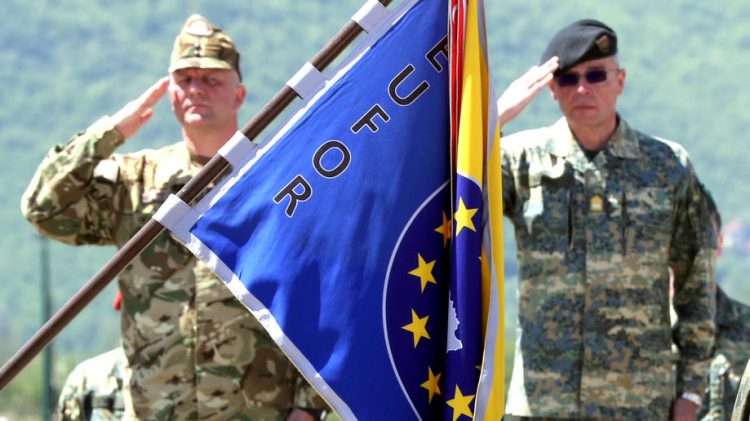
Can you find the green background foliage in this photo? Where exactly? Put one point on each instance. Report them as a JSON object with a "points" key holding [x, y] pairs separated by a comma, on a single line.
{"points": [[64, 64]]}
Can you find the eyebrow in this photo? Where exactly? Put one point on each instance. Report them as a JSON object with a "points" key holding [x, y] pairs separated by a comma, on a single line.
{"points": [[586, 69], [204, 72]]}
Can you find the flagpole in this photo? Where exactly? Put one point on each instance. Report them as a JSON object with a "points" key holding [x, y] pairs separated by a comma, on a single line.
{"points": [[48, 400], [152, 228]]}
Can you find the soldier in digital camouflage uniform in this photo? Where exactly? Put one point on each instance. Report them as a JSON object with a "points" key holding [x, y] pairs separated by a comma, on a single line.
{"points": [[601, 212], [93, 390], [194, 351]]}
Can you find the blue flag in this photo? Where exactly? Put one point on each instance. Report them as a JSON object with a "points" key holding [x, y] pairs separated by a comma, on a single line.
{"points": [[336, 231]]}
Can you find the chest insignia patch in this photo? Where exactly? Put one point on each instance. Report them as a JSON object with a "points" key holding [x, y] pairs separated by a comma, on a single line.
{"points": [[596, 204]]}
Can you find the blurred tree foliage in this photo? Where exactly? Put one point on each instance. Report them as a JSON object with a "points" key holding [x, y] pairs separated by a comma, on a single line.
{"points": [[67, 63]]}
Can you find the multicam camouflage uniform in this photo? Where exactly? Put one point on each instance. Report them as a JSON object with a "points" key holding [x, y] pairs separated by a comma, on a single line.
{"points": [[741, 411], [93, 390], [732, 352], [194, 350], [595, 239]]}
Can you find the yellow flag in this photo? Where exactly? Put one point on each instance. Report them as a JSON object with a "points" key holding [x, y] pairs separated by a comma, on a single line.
{"points": [[478, 159]]}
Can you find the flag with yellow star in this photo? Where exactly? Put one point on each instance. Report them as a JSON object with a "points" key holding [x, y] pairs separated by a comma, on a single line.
{"points": [[338, 231], [474, 370]]}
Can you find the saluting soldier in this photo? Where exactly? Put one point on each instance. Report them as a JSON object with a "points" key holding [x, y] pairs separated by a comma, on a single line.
{"points": [[732, 343], [193, 350], [601, 213]]}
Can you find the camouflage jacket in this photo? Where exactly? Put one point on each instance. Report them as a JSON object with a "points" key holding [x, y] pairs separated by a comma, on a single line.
{"points": [[595, 240], [732, 352], [93, 390], [741, 410], [194, 350]]}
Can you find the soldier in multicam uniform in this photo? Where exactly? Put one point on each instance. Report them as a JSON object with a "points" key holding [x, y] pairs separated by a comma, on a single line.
{"points": [[193, 350], [601, 212], [732, 351], [732, 345], [741, 411]]}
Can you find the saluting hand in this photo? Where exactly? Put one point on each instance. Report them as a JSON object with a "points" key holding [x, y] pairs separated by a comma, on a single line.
{"points": [[137, 112], [518, 95]]}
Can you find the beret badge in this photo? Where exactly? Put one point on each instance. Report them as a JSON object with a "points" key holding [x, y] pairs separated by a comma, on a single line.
{"points": [[603, 44]]}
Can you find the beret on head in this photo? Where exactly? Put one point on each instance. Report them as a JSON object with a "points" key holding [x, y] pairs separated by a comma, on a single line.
{"points": [[201, 44], [581, 41]]}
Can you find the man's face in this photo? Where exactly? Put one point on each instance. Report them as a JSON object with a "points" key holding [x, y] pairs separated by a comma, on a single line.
{"points": [[587, 103], [205, 97]]}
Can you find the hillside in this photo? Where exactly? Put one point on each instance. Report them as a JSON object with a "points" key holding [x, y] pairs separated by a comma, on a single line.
{"points": [[67, 63]]}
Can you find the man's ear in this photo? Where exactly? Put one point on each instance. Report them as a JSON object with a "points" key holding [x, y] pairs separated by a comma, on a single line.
{"points": [[621, 81], [170, 93], [239, 95], [552, 91]]}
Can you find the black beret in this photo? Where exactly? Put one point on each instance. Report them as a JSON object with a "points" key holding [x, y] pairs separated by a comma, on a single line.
{"points": [[581, 41]]}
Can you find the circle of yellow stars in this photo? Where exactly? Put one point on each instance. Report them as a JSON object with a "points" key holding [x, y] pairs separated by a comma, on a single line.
{"points": [[460, 403]]}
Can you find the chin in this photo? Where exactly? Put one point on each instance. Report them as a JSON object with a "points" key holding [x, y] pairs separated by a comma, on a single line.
{"points": [[197, 120], [583, 116]]}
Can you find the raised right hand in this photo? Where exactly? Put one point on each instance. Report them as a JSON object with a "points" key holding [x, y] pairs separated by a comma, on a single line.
{"points": [[137, 112], [518, 95]]}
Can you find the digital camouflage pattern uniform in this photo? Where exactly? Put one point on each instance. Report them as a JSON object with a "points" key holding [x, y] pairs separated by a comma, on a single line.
{"points": [[195, 352], [93, 390], [732, 352], [595, 240]]}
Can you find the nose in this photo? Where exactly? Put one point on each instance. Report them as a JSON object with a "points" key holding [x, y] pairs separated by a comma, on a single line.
{"points": [[195, 87], [583, 87]]}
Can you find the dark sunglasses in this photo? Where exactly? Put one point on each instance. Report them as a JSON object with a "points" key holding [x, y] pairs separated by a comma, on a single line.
{"points": [[592, 76]]}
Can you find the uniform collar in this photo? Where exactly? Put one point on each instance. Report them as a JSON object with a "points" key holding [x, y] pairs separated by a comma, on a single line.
{"points": [[194, 160], [199, 161], [623, 143]]}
